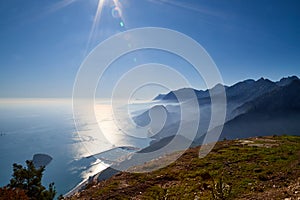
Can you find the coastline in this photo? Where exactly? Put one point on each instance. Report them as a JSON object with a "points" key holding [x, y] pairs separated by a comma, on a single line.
{"points": [[132, 161], [99, 176], [237, 173], [77, 188]]}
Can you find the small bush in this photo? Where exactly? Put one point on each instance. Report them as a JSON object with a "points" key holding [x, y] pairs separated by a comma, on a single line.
{"points": [[28, 180]]}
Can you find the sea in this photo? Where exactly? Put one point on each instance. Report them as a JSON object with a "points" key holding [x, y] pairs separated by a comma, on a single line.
{"points": [[47, 126]]}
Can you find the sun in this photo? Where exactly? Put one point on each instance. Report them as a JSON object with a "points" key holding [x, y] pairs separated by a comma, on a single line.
{"points": [[116, 12]]}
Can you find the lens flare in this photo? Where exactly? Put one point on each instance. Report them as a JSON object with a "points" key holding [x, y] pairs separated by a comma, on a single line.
{"points": [[116, 12], [95, 23]]}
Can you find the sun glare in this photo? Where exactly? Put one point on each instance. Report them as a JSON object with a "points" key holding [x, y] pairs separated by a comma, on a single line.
{"points": [[116, 13], [95, 22]]}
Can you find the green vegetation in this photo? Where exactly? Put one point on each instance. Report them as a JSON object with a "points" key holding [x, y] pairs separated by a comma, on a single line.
{"points": [[27, 184], [257, 168]]}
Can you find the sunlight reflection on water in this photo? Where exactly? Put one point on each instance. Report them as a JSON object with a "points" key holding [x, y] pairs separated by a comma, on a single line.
{"points": [[33, 126]]}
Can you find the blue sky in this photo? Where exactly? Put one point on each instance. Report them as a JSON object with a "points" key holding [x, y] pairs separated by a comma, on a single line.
{"points": [[43, 43]]}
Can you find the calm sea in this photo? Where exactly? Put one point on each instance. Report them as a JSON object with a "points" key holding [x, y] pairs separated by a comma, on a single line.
{"points": [[31, 126]]}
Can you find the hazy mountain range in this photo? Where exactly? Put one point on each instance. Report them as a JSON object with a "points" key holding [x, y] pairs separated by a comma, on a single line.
{"points": [[254, 108]]}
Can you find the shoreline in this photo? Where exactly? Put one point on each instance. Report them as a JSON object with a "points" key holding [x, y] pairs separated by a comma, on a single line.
{"points": [[99, 176], [125, 164], [77, 188], [103, 174]]}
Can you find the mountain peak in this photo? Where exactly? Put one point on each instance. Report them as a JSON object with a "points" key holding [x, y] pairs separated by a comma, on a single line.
{"points": [[262, 79], [287, 80], [247, 89]]}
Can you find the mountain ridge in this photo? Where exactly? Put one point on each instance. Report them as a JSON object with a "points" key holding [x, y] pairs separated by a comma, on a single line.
{"points": [[263, 98], [205, 93]]}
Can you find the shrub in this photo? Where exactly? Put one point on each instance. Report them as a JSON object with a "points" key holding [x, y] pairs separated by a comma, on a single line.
{"points": [[29, 180]]}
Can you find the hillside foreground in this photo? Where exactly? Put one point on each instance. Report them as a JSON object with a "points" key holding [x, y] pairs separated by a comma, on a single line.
{"points": [[254, 168]]}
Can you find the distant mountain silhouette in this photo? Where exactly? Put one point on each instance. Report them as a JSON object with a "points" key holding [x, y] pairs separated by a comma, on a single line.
{"points": [[241, 91], [283, 98], [287, 80], [171, 125], [171, 96], [275, 112], [253, 108]]}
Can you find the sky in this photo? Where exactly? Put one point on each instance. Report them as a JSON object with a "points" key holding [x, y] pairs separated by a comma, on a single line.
{"points": [[43, 43]]}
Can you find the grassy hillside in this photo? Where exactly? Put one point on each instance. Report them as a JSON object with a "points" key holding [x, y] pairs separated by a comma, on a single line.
{"points": [[255, 168]]}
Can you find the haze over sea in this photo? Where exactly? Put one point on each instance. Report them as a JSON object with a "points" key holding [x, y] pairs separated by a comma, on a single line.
{"points": [[31, 126]]}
